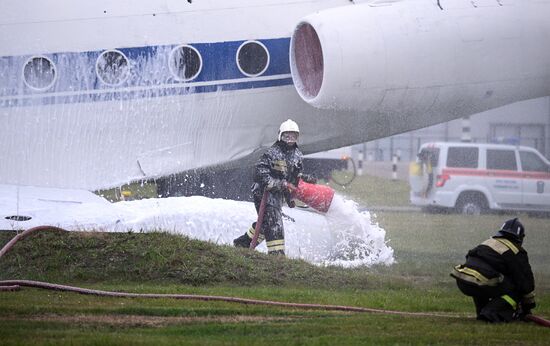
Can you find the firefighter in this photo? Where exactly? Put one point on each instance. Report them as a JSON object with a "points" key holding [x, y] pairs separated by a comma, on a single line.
{"points": [[427, 159], [280, 165], [498, 277]]}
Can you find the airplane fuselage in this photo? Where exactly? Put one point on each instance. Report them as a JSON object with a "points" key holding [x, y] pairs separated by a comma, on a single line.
{"points": [[97, 94]]}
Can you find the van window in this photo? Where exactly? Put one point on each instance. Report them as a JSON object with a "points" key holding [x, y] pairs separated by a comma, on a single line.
{"points": [[462, 157], [531, 162], [501, 159]]}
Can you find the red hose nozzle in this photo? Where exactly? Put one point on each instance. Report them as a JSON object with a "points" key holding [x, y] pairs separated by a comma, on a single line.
{"points": [[319, 197]]}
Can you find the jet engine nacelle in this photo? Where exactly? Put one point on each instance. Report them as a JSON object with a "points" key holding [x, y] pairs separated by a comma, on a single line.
{"points": [[412, 57]]}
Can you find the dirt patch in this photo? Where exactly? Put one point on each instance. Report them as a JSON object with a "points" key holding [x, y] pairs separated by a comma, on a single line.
{"points": [[143, 320]]}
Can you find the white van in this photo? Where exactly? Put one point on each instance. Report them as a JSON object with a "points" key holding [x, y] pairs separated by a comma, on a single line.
{"points": [[473, 178]]}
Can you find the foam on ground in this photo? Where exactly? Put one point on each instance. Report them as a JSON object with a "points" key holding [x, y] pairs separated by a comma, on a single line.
{"points": [[343, 236]]}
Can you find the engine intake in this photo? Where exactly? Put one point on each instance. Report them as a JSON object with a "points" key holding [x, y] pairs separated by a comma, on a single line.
{"points": [[411, 57], [307, 55]]}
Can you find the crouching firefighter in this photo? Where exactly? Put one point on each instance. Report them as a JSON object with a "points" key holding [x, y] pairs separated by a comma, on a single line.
{"points": [[498, 277], [280, 165]]}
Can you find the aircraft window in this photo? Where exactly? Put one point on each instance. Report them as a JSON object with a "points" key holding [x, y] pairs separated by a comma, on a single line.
{"points": [[252, 58], [39, 73], [112, 67], [185, 63], [18, 217]]}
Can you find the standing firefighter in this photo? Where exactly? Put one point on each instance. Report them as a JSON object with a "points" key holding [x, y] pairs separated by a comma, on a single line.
{"points": [[281, 164], [497, 275]]}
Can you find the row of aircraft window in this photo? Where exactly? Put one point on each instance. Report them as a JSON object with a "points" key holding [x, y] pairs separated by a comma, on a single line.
{"points": [[113, 67]]}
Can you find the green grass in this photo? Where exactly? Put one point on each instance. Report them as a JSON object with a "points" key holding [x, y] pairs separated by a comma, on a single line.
{"points": [[323, 330], [418, 282], [41, 317], [122, 257], [426, 247], [369, 190]]}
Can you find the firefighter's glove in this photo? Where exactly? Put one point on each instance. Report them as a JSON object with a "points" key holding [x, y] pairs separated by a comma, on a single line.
{"points": [[291, 203], [276, 185], [308, 178]]}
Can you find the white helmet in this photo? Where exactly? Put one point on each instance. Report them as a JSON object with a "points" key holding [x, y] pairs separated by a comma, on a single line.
{"points": [[288, 126]]}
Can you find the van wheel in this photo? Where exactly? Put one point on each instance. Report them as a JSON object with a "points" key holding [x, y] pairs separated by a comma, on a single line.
{"points": [[473, 203]]}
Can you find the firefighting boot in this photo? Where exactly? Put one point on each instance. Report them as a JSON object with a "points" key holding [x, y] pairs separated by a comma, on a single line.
{"points": [[242, 241], [499, 310], [245, 239]]}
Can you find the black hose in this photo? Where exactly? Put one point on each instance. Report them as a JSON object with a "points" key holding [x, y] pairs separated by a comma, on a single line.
{"points": [[353, 170]]}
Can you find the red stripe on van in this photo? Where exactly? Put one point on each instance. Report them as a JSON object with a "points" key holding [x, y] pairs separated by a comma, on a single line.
{"points": [[496, 173]]}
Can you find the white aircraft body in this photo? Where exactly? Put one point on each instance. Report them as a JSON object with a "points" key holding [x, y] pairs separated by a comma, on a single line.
{"points": [[95, 94]]}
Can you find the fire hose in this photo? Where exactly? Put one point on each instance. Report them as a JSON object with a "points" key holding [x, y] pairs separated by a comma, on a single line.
{"points": [[345, 181], [13, 285], [319, 197], [261, 213]]}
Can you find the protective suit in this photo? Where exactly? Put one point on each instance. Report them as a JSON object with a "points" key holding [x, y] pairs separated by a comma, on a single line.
{"points": [[498, 276], [279, 165]]}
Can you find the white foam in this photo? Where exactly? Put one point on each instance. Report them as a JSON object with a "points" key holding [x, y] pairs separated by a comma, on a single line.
{"points": [[344, 236], [357, 238]]}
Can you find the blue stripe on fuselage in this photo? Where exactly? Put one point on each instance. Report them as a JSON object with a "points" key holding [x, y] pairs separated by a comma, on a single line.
{"points": [[150, 76]]}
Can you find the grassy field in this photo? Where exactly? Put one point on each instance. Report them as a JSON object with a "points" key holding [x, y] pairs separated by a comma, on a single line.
{"points": [[375, 191], [426, 247]]}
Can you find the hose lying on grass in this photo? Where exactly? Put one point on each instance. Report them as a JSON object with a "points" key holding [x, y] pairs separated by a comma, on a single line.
{"points": [[13, 285]]}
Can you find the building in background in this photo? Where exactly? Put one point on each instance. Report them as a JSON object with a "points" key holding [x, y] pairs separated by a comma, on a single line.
{"points": [[523, 123]]}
